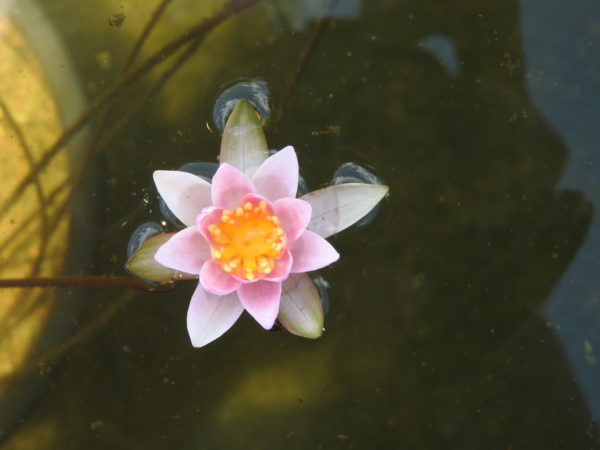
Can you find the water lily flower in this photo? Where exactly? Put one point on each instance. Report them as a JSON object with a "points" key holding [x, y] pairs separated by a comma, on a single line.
{"points": [[243, 238], [248, 239]]}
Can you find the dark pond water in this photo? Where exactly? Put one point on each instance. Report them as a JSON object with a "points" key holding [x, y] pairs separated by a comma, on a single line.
{"points": [[466, 315]]}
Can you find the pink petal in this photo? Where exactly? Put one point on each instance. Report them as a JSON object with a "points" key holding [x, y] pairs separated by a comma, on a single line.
{"points": [[229, 185], [215, 280], [142, 263], [277, 177], [282, 268], [294, 215], [210, 315], [185, 194], [207, 217], [255, 199], [186, 251], [311, 252], [261, 300]]}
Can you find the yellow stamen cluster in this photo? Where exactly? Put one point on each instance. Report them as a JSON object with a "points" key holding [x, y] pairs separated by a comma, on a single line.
{"points": [[247, 240]]}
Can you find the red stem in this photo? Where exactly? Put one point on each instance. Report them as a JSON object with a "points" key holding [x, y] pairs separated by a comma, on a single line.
{"points": [[91, 280]]}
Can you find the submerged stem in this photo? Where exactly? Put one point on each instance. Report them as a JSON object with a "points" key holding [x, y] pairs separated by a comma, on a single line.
{"points": [[133, 54], [75, 177], [45, 230], [305, 56], [144, 36], [90, 280], [129, 78], [45, 363]]}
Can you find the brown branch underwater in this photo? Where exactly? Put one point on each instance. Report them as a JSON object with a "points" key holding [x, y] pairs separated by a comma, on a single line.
{"points": [[79, 281], [305, 56], [113, 92]]}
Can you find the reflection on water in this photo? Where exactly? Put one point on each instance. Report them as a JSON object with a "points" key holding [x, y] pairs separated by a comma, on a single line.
{"points": [[443, 49], [560, 81], [141, 234], [436, 335], [35, 227], [255, 91]]}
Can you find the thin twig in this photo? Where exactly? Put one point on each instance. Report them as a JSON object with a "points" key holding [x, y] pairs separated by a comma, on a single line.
{"points": [[145, 33], [73, 180], [76, 175], [45, 231], [117, 88], [305, 55], [133, 54], [44, 363], [90, 280]]}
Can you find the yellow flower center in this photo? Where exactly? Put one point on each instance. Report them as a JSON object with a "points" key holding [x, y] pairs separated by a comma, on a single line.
{"points": [[247, 240]]}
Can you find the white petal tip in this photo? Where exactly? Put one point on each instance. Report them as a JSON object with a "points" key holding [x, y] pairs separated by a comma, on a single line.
{"points": [[210, 316], [162, 175]]}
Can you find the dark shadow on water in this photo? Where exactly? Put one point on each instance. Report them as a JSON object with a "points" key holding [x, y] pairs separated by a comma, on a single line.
{"points": [[476, 233]]}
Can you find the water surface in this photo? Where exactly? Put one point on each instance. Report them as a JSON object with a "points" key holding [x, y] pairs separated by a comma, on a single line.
{"points": [[465, 315]]}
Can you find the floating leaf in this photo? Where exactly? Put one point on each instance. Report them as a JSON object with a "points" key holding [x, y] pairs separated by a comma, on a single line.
{"points": [[300, 310], [142, 263], [335, 208]]}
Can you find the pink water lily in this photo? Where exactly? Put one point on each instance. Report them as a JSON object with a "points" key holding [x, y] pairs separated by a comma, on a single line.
{"points": [[249, 240], [244, 237]]}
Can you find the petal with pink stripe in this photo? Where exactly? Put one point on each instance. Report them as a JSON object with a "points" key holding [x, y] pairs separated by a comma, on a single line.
{"points": [[277, 177], [215, 280], [311, 252], [261, 300], [229, 185], [185, 251]]}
